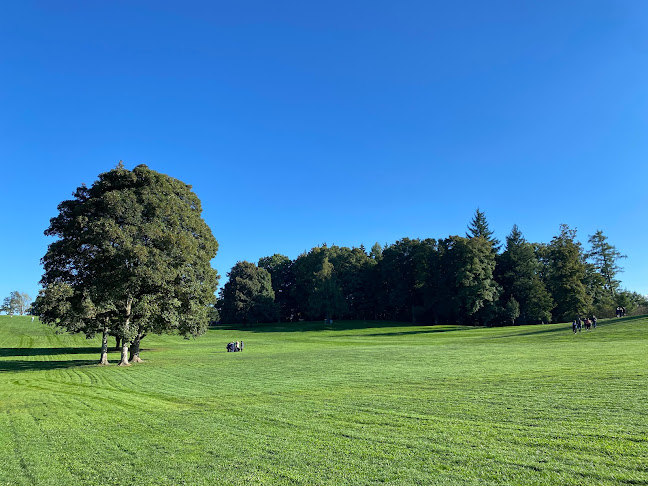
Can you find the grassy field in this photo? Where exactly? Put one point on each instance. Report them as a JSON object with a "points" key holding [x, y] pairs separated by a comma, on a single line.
{"points": [[351, 405]]}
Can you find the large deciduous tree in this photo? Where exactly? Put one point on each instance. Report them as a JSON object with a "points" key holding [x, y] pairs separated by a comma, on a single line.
{"points": [[132, 257]]}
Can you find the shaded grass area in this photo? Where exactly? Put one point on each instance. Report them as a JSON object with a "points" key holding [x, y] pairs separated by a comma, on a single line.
{"points": [[348, 405]]}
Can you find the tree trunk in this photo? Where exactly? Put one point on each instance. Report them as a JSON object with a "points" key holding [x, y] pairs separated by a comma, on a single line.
{"points": [[117, 343], [104, 347], [124, 355], [135, 349], [124, 349]]}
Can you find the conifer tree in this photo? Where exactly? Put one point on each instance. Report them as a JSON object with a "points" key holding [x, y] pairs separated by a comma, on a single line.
{"points": [[248, 297], [326, 299], [566, 273], [282, 274], [478, 227], [605, 257], [518, 272], [466, 284]]}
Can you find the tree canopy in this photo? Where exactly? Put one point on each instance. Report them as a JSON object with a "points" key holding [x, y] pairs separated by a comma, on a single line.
{"points": [[16, 303], [466, 280], [248, 296], [132, 257]]}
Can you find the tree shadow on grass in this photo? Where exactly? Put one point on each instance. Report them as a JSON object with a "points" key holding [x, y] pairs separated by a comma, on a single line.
{"points": [[625, 319], [407, 333], [7, 352], [308, 326], [24, 365], [541, 330], [567, 328]]}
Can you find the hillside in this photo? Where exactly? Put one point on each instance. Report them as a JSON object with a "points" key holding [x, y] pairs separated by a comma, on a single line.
{"points": [[351, 405]]}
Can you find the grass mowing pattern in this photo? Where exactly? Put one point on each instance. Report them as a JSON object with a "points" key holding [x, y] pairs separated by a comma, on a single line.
{"points": [[353, 405]]}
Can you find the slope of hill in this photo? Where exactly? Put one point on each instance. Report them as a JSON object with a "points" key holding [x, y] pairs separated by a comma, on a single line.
{"points": [[351, 405]]}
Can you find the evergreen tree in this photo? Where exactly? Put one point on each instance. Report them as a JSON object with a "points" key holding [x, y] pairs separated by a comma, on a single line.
{"points": [[403, 283], [282, 275], [566, 273], [376, 252], [351, 266], [426, 268], [478, 227], [604, 257], [248, 297], [326, 300], [512, 310], [466, 283], [518, 271]]}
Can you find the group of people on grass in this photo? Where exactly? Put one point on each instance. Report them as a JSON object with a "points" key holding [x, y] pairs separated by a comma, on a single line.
{"points": [[620, 311], [235, 346], [586, 323]]}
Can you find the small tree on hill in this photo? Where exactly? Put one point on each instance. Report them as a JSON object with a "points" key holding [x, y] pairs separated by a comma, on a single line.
{"points": [[16, 303]]}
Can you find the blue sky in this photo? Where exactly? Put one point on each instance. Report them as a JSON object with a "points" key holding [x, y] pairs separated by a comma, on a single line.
{"points": [[299, 123]]}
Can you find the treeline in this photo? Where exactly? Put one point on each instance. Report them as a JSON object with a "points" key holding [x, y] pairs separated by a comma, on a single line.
{"points": [[469, 280]]}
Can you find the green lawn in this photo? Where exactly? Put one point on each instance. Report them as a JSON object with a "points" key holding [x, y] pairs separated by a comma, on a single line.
{"points": [[354, 405]]}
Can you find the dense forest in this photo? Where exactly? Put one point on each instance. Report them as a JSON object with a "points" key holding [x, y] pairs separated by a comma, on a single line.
{"points": [[472, 279]]}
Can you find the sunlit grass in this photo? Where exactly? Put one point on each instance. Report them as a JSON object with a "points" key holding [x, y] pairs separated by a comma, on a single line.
{"points": [[350, 405]]}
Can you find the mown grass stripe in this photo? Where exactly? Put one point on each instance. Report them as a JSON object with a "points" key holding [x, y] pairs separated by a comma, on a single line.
{"points": [[354, 405]]}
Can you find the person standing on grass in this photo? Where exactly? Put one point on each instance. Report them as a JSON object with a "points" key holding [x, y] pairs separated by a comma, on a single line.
{"points": [[241, 345], [574, 326], [594, 321]]}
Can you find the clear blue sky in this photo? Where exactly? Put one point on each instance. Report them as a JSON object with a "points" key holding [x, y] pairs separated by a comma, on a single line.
{"points": [[299, 123]]}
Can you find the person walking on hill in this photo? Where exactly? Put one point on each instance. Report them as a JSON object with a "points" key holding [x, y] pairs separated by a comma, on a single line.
{"points": [[594, 322]]}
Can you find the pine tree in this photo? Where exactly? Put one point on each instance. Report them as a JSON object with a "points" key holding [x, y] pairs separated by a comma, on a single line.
{"points": [[566, 274], [518, 271], [604, 257], [478, 227]]}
